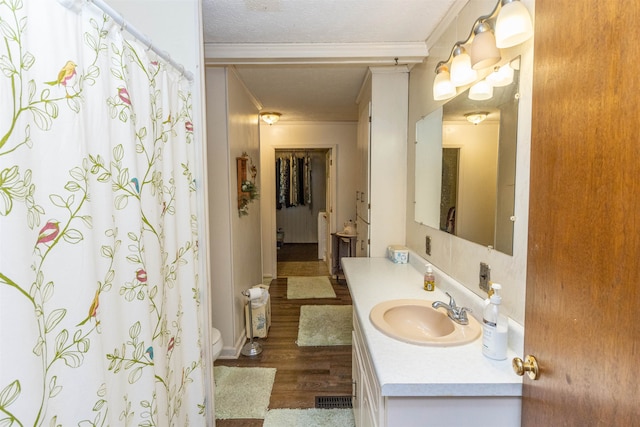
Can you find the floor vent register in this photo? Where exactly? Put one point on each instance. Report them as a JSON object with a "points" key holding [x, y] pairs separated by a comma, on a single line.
{"points": [[331, 402]]}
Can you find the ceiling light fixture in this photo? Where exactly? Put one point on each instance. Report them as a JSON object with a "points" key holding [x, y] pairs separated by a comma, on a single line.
{"points": [[476, 117], [270, 118]]}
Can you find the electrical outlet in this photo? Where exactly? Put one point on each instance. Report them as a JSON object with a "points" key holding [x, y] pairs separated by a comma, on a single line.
{"points": [[485, 276], [427, 245]]}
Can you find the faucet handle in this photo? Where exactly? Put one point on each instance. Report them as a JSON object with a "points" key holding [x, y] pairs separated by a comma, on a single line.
{"points": [[452, 302], [461, 315]]}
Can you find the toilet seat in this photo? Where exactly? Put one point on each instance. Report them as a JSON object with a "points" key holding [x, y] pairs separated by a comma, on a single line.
{"points": [[216, 343]]}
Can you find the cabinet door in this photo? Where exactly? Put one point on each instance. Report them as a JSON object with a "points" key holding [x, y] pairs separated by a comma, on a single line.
{"points": [[356, 385], [362, 239], [363, 150], [362, 398]]}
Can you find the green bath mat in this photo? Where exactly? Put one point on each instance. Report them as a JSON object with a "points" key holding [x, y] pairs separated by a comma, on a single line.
{"points": [[242, 392], [309, 418], [301, 287], [322, 325]]}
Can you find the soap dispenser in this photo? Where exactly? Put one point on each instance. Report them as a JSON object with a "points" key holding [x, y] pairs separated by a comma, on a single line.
{"points": [[495, 327], [429, 280]]}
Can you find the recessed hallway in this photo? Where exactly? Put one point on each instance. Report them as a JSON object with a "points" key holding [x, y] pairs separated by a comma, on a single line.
{"points": [[302, 372]]}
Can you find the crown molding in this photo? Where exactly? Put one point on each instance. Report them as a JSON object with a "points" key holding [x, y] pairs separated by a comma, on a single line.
{"points": [[315, 53]]}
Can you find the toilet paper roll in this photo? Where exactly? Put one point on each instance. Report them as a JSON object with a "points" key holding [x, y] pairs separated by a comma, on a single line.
{"points": [[254, 293]]}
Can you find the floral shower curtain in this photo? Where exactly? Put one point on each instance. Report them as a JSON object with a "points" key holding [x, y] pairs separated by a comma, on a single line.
{"points": [[99, 288]]}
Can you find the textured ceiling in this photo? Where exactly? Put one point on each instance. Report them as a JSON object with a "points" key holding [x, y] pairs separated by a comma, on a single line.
{"points": [[321, 21], [306, 92], [302, 57]]}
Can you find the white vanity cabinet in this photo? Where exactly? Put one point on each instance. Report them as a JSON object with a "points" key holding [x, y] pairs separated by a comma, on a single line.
{"points": [[367, 397], [372, 409], [396, 384]]}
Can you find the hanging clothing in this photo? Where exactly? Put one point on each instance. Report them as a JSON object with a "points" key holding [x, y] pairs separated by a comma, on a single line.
{"points": [[301, 174], [307, 180], [278, 184], [293, 180], [286, 185]]}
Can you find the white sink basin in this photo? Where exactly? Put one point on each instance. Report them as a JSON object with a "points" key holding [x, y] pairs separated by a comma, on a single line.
{"points": [[415, 321]]}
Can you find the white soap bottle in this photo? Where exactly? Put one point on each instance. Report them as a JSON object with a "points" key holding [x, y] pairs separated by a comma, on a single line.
{"points": [[495, 327]]}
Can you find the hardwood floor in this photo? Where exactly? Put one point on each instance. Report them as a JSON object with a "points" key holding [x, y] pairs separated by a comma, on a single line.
{"points": [[302, 372]]}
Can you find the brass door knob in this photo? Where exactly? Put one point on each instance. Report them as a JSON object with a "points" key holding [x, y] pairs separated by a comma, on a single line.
{"points": [[529, 365]]}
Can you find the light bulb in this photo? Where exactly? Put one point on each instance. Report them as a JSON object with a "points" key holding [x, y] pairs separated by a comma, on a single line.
{"points": [[483, 51], [481, 91], [442, 86], [461, 72], [513, 25], [501, 76]]}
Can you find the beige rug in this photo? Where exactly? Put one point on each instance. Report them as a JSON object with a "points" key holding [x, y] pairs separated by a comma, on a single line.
{"points": [[302, 268], [309, 418], [322, 325], [242, 392], [300, 287]]}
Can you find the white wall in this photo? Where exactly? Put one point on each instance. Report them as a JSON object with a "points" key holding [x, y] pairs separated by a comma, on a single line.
{"points": [[220, 211], [174, 26], [459, 258], [247, 254], [387, 155], [338, 136], [236, 259]]}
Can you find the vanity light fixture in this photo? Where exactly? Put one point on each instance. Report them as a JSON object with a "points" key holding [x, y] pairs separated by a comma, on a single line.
{"points": [[442, 86], [481, 91], [461, 72], [501, 76], [483, 52], [270, 118], [508, 25], [513, 25], [476, 117]]}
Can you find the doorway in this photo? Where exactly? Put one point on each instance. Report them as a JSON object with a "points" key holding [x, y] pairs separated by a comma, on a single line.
{"points": [[301, 193], [302, 188]]}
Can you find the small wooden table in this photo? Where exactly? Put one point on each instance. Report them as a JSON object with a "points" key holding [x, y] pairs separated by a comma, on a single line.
{"points": [[342, 245]]}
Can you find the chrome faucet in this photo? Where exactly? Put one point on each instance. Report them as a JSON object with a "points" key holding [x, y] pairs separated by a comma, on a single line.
{"points": [[455, 313]]}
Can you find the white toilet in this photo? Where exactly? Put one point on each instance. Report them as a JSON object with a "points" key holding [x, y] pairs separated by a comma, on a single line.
{"points": [[216, 343]]}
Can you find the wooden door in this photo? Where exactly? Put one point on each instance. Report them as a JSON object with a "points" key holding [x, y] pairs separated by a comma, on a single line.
{"points": [[583, 274]]}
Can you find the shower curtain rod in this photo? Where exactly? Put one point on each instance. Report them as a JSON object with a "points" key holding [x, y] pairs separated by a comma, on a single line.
{"points": [[119, 19]]}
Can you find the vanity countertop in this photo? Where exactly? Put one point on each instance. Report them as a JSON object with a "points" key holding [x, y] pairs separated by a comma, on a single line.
{"points": [[404, 369]]}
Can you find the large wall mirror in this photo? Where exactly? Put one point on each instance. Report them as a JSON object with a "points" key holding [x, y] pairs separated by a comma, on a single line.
{"points": [[466, 167]]}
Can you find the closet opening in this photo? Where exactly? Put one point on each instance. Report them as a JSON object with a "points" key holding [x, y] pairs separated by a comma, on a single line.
{"points": [[302, 189]]}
